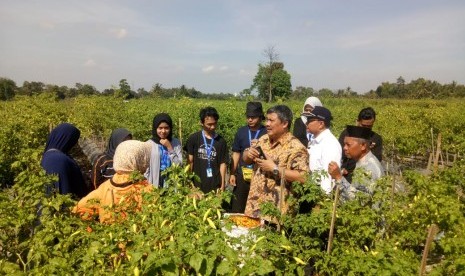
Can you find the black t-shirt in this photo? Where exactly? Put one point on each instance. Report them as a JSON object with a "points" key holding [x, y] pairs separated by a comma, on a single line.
{"points": [[349, 164], [241, 141], [219, 154]]}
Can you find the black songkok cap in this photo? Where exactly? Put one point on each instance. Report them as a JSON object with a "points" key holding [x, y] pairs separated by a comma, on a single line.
{"points": [[359, 132]]}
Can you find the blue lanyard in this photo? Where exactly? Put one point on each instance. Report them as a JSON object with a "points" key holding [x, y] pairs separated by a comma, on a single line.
{"points": [[250, 136], [208, 148]]}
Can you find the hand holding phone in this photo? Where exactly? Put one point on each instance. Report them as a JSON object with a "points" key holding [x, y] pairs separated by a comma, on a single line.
{"points": [[261, 155]]}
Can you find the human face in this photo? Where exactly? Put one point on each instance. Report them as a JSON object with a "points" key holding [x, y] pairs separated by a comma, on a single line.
{"points": [[274, 126], [163, 130], [308, 108], [315, 126], [366, 123], [353, 148], [209, 125], [253, 122]]}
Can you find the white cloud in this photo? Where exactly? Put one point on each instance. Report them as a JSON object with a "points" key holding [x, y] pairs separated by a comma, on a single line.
{"points": [[245, 72], [119, 33], [208, 69], [47, 25], [90, 63], [224, 68]]}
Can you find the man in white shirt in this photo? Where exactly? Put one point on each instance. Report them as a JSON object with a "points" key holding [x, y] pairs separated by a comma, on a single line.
{"points": [[324, 147]]}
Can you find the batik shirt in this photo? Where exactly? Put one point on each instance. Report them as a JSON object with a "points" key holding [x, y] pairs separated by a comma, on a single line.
{"points": [[289, 153]]}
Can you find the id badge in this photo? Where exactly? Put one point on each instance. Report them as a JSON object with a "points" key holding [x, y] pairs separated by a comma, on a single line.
{"points": [[209, 172]]}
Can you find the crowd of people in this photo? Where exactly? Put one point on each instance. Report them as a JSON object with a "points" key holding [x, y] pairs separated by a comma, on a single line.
{"points": [[266, 158]]}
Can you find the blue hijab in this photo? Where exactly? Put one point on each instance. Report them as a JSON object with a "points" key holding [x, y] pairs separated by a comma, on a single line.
{"points": [[56, 160]]}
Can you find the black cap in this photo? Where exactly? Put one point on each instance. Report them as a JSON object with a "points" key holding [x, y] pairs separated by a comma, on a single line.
{"points": [[359, 132], [319, 112], [254, 109]]}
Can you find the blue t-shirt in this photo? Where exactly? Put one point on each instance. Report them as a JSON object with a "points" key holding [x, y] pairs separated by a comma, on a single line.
{"points": [[241, 141]]}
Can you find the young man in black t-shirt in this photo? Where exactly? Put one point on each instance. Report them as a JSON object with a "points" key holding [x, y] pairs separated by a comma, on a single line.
{"points": [[246, 137], [208, 153]]}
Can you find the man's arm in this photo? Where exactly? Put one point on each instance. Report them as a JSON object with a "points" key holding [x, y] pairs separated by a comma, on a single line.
{"points": [[289, 175], [234, 166], [223, 174], [190, 161]]}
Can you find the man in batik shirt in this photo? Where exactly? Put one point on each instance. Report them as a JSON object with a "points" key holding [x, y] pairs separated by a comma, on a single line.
{"points": [[283, 156]]}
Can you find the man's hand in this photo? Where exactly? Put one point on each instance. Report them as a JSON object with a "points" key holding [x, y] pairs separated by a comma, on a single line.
{"points": [[232, 180], [252, 154], [334, 171], [265, 165]]}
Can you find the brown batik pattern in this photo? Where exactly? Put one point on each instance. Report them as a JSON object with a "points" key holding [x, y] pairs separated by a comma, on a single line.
{"points": [[289, 153]]}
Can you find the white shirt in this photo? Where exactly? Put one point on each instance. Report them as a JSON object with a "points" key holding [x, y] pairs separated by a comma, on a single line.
{"points": [[322, 150]]}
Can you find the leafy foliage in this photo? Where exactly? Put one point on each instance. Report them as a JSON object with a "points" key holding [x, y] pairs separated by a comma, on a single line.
{"points": [[178, 232]]}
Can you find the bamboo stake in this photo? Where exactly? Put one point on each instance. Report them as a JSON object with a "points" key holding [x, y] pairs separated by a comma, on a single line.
{"points": [[180, 131], [433, 230], [281, 195], [432, 141], [333, 221], [393, 188], [438, 152], [430, 160]]}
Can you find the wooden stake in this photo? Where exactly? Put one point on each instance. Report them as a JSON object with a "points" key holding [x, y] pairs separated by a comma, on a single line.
{"points": [[432, 141], [433, 230], [333, 221], [180, 131], [281, 195], [430, 160], [393, 189], [438, 153]]}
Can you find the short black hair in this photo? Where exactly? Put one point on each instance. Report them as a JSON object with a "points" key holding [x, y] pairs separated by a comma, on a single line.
{"points": [[284, 114], [208, 112], [367, 113]]}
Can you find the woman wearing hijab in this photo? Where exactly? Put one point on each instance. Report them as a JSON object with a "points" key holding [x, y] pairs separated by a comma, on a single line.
{"points": [[300, 127], [56, 160], [122, 193], [103, 167], [166, 150]]}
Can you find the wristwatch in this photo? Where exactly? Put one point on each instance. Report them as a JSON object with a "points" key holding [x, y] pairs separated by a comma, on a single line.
{"points": [[276, 170]]}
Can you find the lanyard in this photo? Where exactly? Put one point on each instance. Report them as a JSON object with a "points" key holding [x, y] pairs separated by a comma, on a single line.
{"points": [[208, 148], [250, 135]]}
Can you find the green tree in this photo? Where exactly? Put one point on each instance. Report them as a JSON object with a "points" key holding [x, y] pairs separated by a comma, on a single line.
{"points": [[272, 80], [86, 89], [8, 89], [302, 92], [325, 92], [57, 91], [124, 90], [280, 82], [32, 88]]}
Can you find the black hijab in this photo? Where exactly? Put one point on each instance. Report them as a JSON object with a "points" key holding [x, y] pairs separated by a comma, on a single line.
{"points": [[157, 120], [63, 138], [117, 136]]}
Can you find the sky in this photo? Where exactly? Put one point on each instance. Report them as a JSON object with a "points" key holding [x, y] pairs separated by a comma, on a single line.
{"points": [[215, 46]]}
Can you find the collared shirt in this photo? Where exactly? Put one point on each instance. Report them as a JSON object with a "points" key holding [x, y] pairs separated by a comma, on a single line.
{"points": [[367, 170], [322, 150], [289, 153]]}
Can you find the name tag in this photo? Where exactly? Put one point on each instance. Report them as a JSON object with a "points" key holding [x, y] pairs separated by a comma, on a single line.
{"points": [[209, 172]]}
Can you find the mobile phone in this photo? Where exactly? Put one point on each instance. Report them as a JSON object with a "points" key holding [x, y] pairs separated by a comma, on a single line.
{"points": [[261, 155]]}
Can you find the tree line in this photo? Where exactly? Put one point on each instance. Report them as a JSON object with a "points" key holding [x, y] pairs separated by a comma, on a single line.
{"points": [[268, 87]]}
